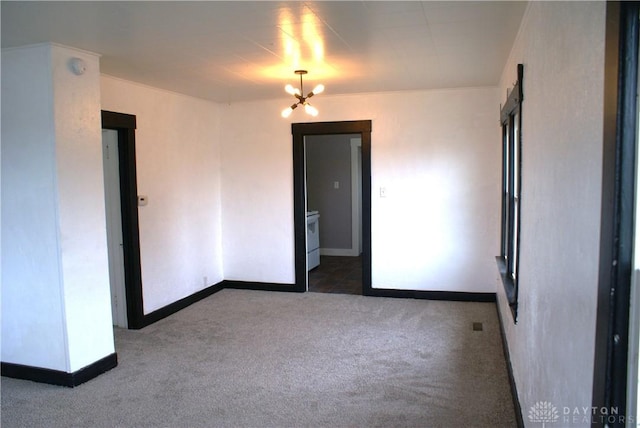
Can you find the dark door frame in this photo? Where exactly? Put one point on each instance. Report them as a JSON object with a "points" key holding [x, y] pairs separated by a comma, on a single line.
{"points": [[299, 131], [125, 124], [618, 195]]}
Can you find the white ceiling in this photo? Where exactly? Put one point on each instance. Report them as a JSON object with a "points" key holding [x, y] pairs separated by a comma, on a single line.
{"points": [[239, 50]]}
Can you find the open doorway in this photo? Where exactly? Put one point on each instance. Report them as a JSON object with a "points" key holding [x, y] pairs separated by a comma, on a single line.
{"points": [[356, 130], [334, 203], [119, 131]]}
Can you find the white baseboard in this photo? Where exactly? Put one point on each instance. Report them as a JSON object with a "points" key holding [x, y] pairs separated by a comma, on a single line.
{"points": [[344, 252]]}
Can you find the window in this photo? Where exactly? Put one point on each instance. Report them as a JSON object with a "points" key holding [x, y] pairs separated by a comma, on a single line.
{"points": [[511, 120]]}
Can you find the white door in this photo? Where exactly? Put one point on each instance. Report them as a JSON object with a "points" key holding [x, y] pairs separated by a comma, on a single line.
{"points": [[111, 167]]}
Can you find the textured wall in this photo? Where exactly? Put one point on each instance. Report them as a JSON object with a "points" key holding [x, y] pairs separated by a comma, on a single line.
{"points": [[81, 209], [55, 280], [177, 155], [32, 328], [437, 154], [552, 346]]}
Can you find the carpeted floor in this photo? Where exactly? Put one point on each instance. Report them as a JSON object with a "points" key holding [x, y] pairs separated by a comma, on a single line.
{"points": [[244, 358]]}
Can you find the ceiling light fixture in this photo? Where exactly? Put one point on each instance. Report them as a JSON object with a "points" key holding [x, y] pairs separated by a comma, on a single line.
{"points": [[302, 100]]}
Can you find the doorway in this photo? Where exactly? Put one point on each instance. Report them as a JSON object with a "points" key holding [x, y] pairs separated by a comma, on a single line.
{"points": [[334, 203], [300, 131], [120, 128]]}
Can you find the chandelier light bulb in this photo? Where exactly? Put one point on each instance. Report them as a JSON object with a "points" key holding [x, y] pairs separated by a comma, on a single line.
{"points": [[309, 109], [318, 89], [291, 90], [287, 112]]}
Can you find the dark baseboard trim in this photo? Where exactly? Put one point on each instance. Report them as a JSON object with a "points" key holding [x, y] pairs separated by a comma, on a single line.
{"points": [[56, 377], [456, 296], [292, 288], [512, 380], [260, 286], [176, 306]]}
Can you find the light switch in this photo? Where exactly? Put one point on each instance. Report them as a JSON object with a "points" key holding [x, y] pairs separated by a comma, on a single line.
{"points": [[336, 184], [142, 200], [383, 192]]}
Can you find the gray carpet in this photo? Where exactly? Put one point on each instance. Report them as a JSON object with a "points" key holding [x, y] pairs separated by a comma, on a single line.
{"points": [[266, 359]]}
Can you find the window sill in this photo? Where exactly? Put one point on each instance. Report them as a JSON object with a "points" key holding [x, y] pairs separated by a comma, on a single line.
{"points": [[509, 288]]}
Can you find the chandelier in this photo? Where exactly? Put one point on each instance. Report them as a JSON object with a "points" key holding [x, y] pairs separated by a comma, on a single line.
{"points": [[302, 100]]}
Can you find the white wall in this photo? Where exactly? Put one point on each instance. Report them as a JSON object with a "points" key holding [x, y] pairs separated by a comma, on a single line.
{"points": [[30, 270], [81, 210], [437, 153], [257, 193], [55, 281], [178, 167], [552, 346]]}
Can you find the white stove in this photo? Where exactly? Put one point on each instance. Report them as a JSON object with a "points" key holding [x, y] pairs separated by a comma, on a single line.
{"points": [[313, 239]]}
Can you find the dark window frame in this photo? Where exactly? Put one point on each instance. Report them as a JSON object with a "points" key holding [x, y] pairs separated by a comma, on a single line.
{"points": [[509, 258]]}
